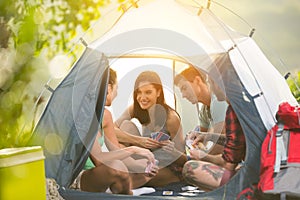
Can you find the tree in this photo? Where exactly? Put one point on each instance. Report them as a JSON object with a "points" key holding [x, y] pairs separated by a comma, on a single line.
{"points": [[31, 33], [294, 84]]}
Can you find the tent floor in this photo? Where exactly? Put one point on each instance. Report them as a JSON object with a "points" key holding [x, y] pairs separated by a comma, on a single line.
{"points": [[171, 191]]}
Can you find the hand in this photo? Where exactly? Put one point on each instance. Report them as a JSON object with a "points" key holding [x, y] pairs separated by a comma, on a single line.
{"points": [[194, 139], [149, 143], [197, 154], [168, 146], [144, 153], [192, 135], [152, 169], [200, 139]]}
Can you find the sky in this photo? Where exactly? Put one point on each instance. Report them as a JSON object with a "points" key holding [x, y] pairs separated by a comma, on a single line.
{"points": [[277, 25]]}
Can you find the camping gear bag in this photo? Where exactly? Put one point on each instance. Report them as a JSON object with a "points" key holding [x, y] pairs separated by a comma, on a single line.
{"points": [[280, 155]]}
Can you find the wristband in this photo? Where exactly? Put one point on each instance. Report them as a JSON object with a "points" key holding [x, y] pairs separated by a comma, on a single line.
{"points": [[188, 157]]}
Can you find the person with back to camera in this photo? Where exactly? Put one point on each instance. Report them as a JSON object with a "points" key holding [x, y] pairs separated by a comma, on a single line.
{"points": [[114, 170], [148, 115], [194, 87]]}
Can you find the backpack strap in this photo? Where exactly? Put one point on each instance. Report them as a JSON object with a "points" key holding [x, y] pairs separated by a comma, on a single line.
{"points": [[281, 152]]}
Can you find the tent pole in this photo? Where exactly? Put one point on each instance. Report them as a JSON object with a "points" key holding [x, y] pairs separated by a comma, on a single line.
{"points": [[170, 57], [134, 3], [174, 67], [208, 4], [83, 42], [200, 11], [201, 7], [252, 32]]}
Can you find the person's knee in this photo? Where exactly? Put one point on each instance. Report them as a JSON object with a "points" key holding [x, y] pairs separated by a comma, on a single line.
{"points": [[118, 169], [118, 165], [130, 127], [123, 176], [122, 183], [187, 170]]}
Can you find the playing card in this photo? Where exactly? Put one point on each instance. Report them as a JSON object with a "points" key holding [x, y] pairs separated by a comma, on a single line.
{"points": [[154, 135], [150, 165], [160, 136], [189, 143]]}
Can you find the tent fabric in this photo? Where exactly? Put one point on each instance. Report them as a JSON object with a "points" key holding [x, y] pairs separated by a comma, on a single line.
{"points": [[225, 75], [197, 37], [157, 15], [70, 120], [259, 75], [79, 195], [173, 16], [174, 30]]}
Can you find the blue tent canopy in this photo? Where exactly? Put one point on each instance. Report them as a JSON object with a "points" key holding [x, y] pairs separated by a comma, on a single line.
{"points": [[70, 121]]}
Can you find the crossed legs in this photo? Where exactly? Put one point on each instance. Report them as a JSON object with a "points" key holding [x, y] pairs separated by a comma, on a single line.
{"points": [[113, 175], [206, 176]]}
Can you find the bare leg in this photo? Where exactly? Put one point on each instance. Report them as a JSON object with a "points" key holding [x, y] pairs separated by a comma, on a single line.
{"points": [[139, 180], [164, 177], [130, 127], [203, 174], [100, 178]]}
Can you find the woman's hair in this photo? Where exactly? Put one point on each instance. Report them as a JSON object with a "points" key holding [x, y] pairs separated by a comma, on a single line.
{"points": [[152, 77], [112, 77]]}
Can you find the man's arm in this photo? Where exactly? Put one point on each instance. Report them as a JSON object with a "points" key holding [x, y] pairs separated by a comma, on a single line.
{"points": [[219, 128], [214, 137]]}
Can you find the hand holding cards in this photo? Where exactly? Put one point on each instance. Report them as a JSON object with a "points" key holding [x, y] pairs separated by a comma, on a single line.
{"points": [[150, 166], [198, 140], [160, 136]]}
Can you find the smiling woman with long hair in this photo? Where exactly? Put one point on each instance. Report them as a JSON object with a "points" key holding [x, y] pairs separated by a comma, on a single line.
{"points": [[150, 114], [114, 169]]}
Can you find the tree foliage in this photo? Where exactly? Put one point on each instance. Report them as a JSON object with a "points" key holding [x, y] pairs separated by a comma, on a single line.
{"points": [[294, 84], [31, 33]]}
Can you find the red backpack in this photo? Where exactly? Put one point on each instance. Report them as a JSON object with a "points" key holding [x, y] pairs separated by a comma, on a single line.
{"points": [[280, 155]]}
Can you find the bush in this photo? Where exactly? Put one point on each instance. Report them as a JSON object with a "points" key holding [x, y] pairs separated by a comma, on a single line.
{"points": [[294, 84]]}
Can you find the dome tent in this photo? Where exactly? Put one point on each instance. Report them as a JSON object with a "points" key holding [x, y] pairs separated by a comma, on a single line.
{"points": [[181, 31]]}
